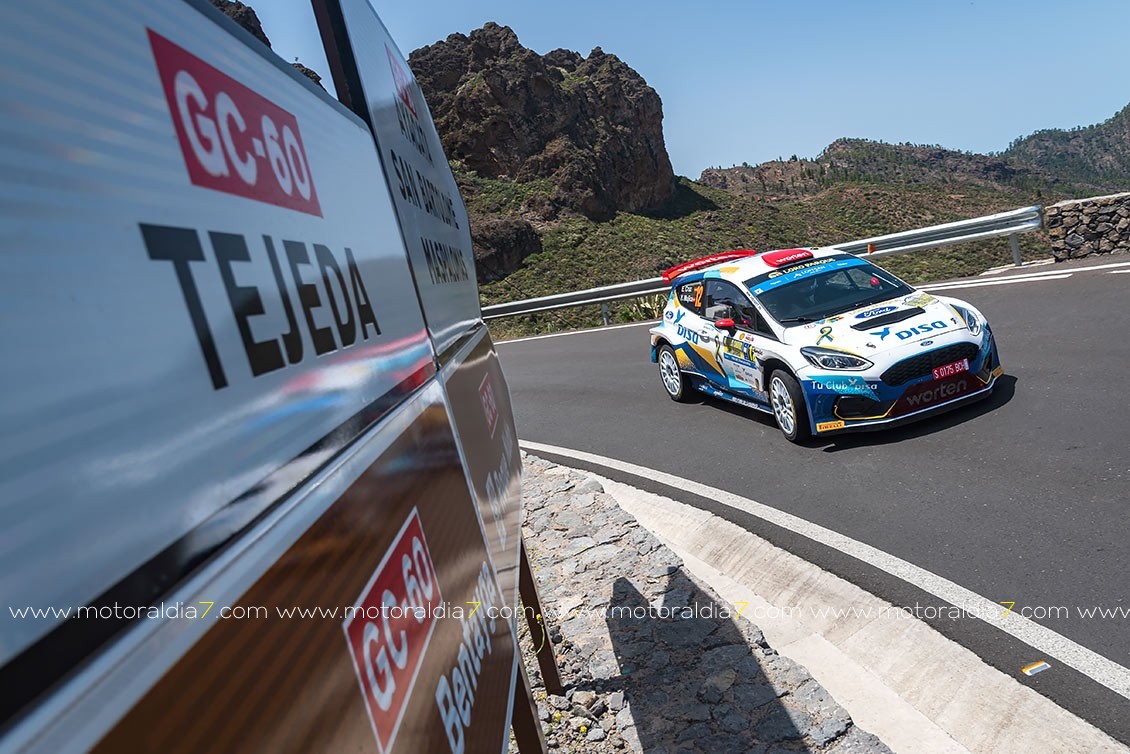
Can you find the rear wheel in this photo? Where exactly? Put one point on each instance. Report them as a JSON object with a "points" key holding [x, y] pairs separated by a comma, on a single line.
{"points": [[788, 406], [674, 381]]}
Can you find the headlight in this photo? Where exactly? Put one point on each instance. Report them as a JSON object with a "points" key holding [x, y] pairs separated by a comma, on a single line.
{"points": [[826, 358], [971, 321]]}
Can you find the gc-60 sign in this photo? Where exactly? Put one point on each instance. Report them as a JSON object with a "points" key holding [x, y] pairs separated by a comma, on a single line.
{"points": [[233, 139], [389, 628]]}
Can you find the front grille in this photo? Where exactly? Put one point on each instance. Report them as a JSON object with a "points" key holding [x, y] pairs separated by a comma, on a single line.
{"points": [[925, 363], [860, 407]]}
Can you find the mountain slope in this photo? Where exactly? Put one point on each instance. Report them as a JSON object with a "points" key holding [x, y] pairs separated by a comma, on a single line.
{"points": [[1098, 154], [862, 161]]}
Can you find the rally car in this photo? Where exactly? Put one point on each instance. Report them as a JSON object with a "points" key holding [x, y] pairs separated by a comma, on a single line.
{"points": [[824, 340]]}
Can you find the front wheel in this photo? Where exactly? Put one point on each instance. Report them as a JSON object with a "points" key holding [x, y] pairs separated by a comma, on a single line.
{"points": [[788, 406], [674, 381]]}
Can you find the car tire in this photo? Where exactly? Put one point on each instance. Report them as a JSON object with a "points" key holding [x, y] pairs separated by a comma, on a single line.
{"points": [[675, 383], [789, 410]]}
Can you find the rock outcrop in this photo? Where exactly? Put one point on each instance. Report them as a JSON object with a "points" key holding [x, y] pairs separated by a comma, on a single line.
{"points": [[501, 244], [590, 125], [245, 16]]}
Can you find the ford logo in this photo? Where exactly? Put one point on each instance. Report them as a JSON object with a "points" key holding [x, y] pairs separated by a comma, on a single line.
{"points": [[926, 343], [875, 312]]}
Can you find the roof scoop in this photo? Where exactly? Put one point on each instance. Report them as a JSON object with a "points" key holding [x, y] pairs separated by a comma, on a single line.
{"points": [[888, 319]]}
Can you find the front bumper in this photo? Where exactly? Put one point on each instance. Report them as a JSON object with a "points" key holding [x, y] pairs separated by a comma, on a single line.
{"points": [[877, 404]]}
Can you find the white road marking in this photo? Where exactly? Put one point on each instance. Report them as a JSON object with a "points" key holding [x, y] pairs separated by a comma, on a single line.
{"points": [[1118, 272], [578, 332], [1093, 665], [1001, 281]]}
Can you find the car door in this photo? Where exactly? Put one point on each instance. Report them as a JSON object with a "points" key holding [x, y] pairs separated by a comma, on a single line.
{"points": [[698, 335], [738, 350]]}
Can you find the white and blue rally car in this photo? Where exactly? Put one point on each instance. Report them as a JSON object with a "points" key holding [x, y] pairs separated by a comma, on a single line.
{"points": [[823, 340]]}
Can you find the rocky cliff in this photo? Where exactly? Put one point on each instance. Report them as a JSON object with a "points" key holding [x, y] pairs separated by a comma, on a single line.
{"points": [[591, 126]]}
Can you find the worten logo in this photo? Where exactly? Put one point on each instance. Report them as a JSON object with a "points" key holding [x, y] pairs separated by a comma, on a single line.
{"points": [[233, 140], [389, 629]]}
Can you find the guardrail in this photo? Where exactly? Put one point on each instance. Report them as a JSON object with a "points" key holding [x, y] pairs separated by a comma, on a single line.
{"points": [[990, 226]]}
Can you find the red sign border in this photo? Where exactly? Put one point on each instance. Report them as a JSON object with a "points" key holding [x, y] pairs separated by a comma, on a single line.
{"points": [[357, 670]]}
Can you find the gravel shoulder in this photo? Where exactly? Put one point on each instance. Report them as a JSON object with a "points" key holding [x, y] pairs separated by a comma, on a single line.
{"points": [[653, 660]]}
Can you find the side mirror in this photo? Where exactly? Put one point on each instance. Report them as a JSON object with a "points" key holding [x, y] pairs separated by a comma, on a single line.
{"points": [[725, 324]]}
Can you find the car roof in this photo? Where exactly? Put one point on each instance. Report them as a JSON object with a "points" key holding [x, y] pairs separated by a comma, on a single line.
{"points": [[747, 267]]}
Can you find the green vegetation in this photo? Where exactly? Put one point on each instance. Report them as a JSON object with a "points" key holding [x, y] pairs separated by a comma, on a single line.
{"points": [[699, 220]]}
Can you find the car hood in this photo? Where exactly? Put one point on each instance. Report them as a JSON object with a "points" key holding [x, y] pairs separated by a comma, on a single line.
{"points": [[880, 327]]}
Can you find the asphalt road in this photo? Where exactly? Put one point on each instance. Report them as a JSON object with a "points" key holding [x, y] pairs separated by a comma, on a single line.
{"points": [[1024, 497]]}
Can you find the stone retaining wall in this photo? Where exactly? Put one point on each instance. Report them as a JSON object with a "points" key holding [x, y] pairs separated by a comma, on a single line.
{"points": [[1081, 227]]}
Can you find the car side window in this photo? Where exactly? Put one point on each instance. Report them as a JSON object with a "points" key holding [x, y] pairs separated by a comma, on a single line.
{"points": [[724, 299], [690, 296]]}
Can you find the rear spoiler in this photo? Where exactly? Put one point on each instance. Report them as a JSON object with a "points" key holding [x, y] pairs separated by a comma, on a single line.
{"points": [[708, 261]]}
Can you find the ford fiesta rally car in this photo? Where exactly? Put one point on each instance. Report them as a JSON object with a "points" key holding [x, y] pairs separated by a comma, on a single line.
{"points": [[823, 340]]}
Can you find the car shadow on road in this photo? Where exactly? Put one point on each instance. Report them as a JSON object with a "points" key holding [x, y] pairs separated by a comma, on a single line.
{"points": [[692, 682], [1003, 393]]}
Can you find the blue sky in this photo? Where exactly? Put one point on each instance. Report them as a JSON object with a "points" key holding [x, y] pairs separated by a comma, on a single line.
{"points": [[753, 81]]}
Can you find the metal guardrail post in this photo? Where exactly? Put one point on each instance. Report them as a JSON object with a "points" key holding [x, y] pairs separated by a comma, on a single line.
{"points": [[1015, 249], [604, 312]]}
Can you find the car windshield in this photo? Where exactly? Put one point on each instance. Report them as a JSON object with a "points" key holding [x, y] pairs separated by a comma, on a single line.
{"points": [[824, 287]]}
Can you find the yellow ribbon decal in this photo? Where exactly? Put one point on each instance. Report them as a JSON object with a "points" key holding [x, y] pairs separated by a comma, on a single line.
{"points": [[825, 332]]}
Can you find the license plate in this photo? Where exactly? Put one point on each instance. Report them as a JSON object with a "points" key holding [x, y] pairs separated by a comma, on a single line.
{"points": [[949, 370]]}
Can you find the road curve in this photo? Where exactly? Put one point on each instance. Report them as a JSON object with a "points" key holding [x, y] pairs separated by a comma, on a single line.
{"points": [[1022, 498]]}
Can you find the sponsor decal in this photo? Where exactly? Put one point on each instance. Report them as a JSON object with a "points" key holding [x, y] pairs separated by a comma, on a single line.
{"points": [[948, 370], [998, 371], [882, 333], [785, 257], [777, 278], [389, 629], [921, 329], [825, 334], [687, 334], [919, 300], [927, 394], [846, 386], [233, 139], [926, 343], [875, 312], [739, 350], [828, 426]]}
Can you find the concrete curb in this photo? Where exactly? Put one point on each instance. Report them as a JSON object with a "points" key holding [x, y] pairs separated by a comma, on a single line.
{"points": [[897, 677]]}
